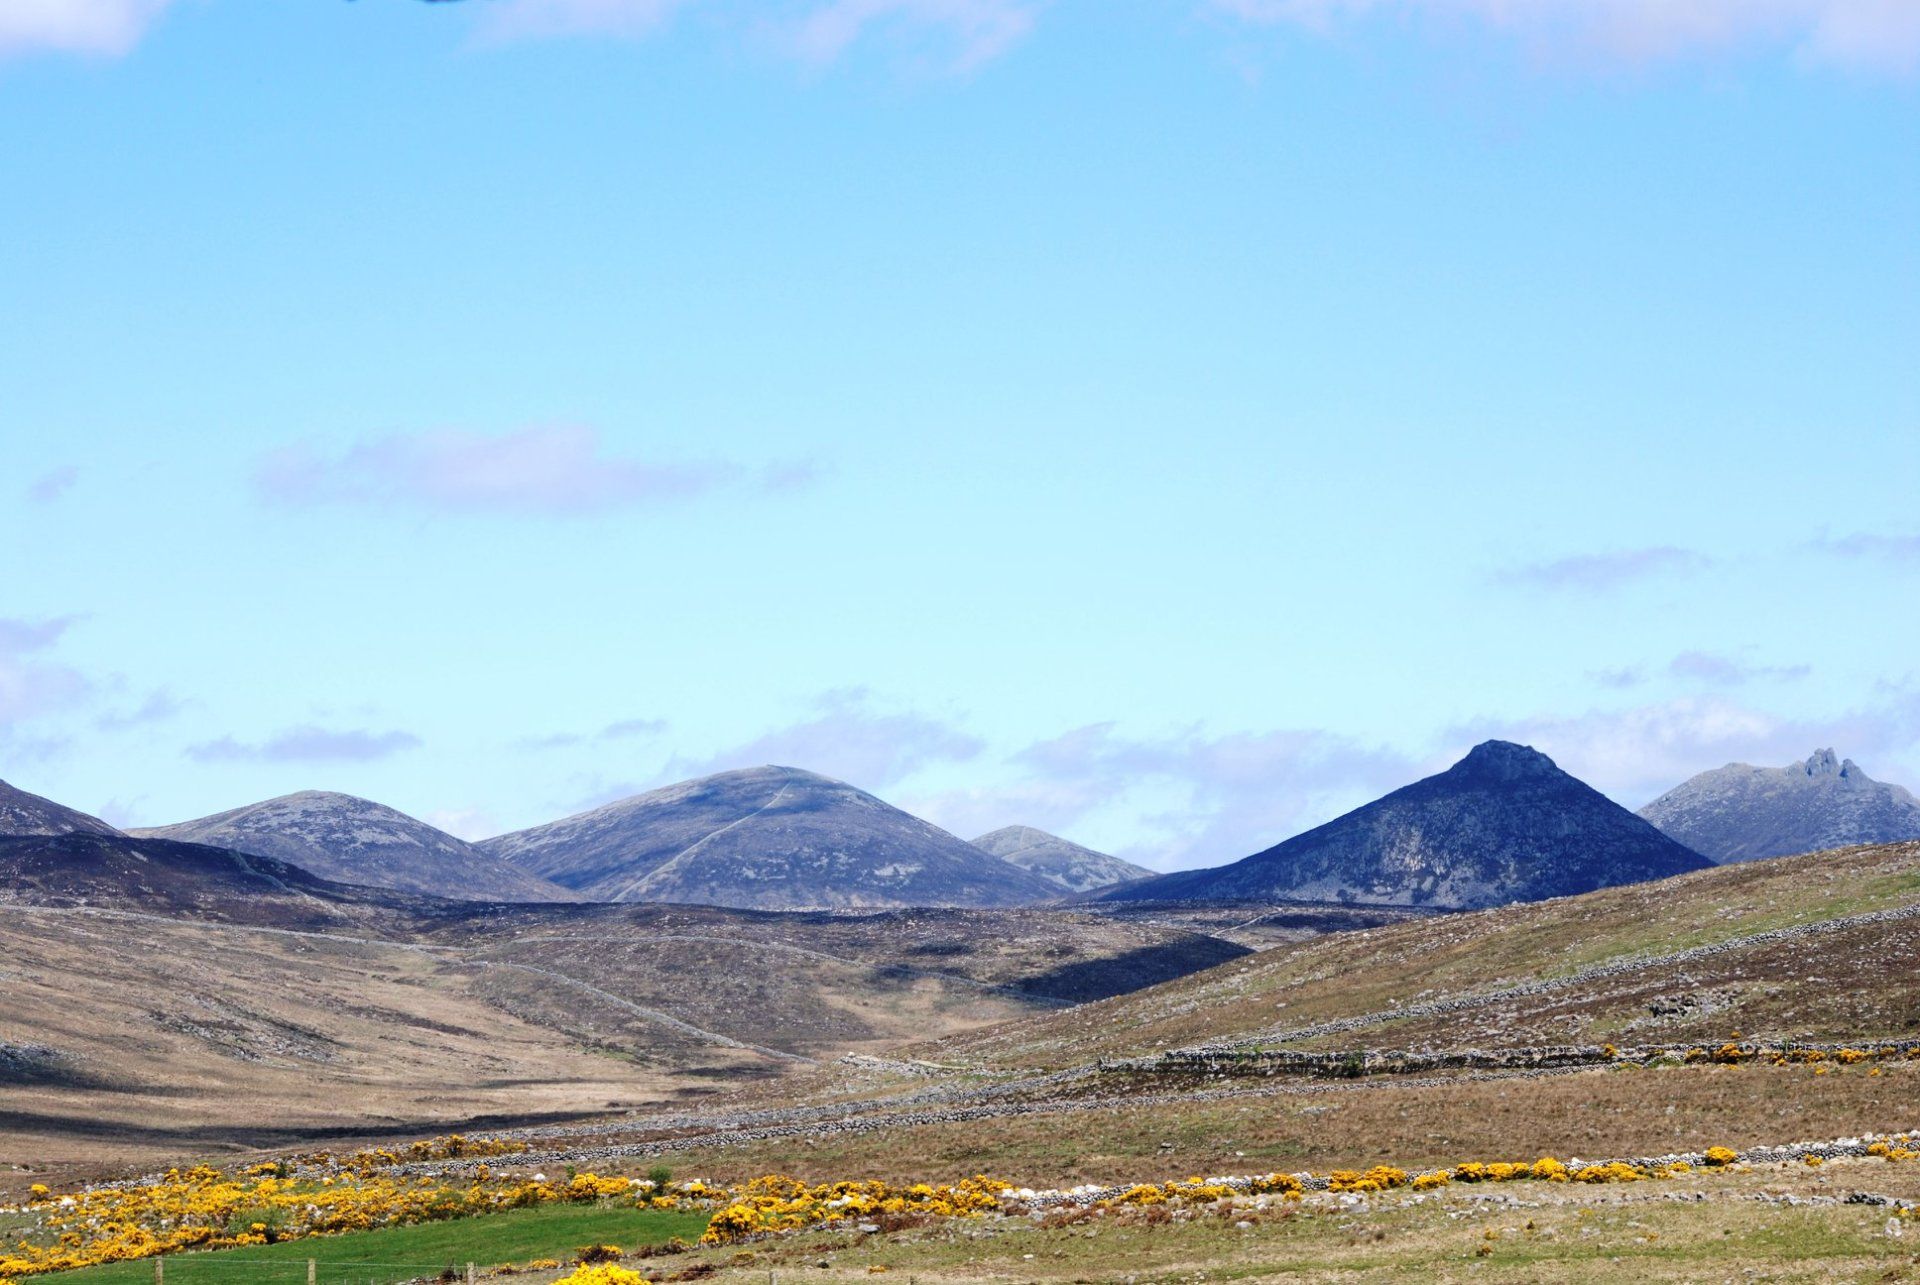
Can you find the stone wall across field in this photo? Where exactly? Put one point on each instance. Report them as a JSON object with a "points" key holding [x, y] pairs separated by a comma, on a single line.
{"points": [[1211, 1063]]}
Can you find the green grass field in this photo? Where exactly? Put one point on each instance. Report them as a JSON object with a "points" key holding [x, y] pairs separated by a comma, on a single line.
{"points": [[408, 1253]]}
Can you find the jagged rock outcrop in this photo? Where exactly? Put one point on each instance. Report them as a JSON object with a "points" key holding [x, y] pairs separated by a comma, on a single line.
{"points": [[1743, 813]]}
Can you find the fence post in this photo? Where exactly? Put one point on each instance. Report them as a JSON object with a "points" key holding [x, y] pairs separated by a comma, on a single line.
{"points": [[472, 1275], [313, 1271], [159, 1271]]}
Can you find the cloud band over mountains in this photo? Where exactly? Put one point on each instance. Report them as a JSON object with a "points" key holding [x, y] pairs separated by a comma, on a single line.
{"points": [[1880, 36]]}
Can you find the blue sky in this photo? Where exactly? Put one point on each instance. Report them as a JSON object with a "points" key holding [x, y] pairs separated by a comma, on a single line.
{"points": [[1169, 424]]}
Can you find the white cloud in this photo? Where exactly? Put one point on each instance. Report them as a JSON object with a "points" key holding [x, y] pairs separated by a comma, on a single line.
{"points": [[306, 744], [849, 739], [1897, 549], [1883, 35], [969, 32], [1598, 572], [464, 823], [30, 685], [549, 471], [959, 34], [53, 484], [107, 27], [519, 19], [1730, 671], [1634, 754], [1195, 798]]}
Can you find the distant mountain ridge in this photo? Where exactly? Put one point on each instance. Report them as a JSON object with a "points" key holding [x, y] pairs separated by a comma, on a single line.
{"points": [[769, 838], [1744, 813], [1059, 861], [23, 813], [1502, 825], [351, 840]]}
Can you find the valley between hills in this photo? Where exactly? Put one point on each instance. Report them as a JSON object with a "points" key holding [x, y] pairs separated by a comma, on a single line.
{"points": [[1675, 1068]]}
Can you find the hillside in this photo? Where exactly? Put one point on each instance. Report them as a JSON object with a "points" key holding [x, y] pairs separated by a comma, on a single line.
{"points": [[1504, 824], [768, 838], [1066, 864], [23, 813], [166, 878], [357, 841], [1744, 813], [165, 999], [1822, 946]]}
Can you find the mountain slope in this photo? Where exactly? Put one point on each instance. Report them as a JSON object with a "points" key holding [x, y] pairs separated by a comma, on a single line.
{"points": [[356, 841], [23, 813], [1743, 813], [768, 838], [1501, 825], [1057, 860]]}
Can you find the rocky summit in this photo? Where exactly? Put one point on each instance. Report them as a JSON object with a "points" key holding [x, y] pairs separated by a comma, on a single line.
{"points": [[22, 813], [1059, 861], [1502, 825], [357, 841], [1743, 813], [766, 838]]}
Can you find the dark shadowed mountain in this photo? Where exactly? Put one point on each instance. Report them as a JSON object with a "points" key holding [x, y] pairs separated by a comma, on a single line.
{"points": [[1742, 813], [23, 813], [165, 878], [1059, 861], [1501, 825], [356, 841], [768, 838]]}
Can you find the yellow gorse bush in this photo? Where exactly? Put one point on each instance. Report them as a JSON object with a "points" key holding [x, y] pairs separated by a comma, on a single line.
{"points": [[602, 1274], [202, 1208], [778, 1203]]}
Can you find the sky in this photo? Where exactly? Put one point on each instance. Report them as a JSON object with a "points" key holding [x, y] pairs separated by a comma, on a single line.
{"points": [[1168, 424]]}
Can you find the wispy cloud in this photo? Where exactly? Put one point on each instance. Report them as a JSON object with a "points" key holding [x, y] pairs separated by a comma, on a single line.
{"points": [[1592, 572], [851, 738], [52, 484], [104, 27], [464, 823], [954, 35], [1728, 671], [1880, 35], [1901, 549], [625, 729], [524, 19], [964, 34], [1634, 754], [1200, 799], [158, 707], [551, 471], [307, 744], [31, 685]]}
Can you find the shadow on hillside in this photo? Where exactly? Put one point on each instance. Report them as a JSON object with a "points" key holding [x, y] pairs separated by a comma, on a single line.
{"points": [[256, 1137], [1094, 979]]}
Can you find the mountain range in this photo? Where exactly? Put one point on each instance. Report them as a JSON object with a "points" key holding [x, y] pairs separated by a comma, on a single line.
{"points": [[1504, 824], [1059, 861], [768, 838], [1743, 813]]}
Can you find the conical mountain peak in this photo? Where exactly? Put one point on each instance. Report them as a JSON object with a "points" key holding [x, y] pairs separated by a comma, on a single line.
{"points": [[1506, 761], [1501, 825]]}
